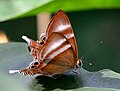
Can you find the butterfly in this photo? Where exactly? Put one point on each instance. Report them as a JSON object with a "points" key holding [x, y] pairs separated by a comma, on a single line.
{"points": [[56, 52]]}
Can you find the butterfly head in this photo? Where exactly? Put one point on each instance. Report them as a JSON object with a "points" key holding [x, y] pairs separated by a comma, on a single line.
{"points": [[79, 63]]}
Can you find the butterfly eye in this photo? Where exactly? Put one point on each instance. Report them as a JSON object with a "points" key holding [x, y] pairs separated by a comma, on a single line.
{"points": [[43, 38], [80, 63], [36, 63]]}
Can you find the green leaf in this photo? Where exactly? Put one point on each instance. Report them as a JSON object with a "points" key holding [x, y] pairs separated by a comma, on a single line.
{"points": [[7, 84], [18, 8], [16, 56]]}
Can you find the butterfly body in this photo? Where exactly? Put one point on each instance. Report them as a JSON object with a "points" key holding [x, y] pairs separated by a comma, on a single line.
{"points": [[56, 52]]}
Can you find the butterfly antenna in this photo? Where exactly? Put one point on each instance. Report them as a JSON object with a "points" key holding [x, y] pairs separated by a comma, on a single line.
{"points": [[91, 50]]}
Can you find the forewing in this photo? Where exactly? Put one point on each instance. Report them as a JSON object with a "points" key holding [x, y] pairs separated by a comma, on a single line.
{"points": [[60, 23]]}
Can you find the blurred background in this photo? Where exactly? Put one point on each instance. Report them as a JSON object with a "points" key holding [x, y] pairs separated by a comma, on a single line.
{"points": [[93, 21]]}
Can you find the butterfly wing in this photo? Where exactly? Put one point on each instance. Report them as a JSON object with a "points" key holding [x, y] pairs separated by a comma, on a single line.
{"points": [[60, 23], [35, 46], [57, 55]]}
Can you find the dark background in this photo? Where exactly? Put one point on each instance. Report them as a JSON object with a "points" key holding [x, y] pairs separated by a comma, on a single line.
{"points": [[90, 28]]}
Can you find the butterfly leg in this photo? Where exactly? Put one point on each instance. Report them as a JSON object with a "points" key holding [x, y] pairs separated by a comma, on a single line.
{"points": [[76, 76]]}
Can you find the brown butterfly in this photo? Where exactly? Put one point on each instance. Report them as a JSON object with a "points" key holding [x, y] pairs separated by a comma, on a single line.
{"points": [[56, 52]]}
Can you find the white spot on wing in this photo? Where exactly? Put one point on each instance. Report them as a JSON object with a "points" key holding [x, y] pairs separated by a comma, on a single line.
{"points": [[43, 34], [63, 27], [14, 71], [69, 35], [26, 39]]}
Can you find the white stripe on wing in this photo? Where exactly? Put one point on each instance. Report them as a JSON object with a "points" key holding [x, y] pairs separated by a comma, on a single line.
{"points": [[68, 36], [54, 46], [59, 51], [63, 27]]}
